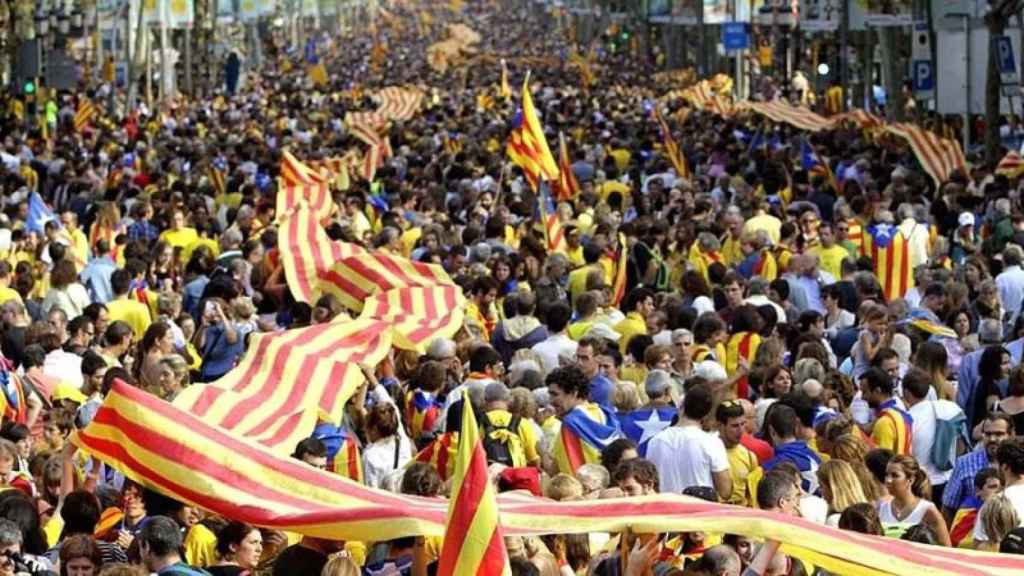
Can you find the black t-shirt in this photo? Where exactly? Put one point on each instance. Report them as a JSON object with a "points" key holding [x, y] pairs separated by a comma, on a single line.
{"points": [[13, 344], [297, 560]]}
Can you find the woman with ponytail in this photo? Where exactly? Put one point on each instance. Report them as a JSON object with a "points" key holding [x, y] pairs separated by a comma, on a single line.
{"points": [[908, 485]]}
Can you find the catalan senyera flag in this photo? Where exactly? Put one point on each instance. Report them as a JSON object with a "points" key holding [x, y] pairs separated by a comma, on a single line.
{"points": [[567, 187], [894, 428], [419, 314], [586, 430], [399, 103], [357, 278], [939, 157], [289, 380], [621, 271], [294, 171], [527, 146], [554, 235], [1011, 165], [741, 345], [671, 148], [473, 541], [890, 252], [84, 115], [855, 234], [796, 116], [961, 529], [307, 254], [181, 456], [504, 90]]}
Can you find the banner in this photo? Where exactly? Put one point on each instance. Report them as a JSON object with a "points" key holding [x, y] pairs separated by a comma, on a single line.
{"points": [[879, 13], [820, 15], [179, 13], [685, 11]]}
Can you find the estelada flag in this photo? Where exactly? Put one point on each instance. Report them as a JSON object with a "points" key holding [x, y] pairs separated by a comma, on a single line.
{"points": [[890, 252], [586, 431]]}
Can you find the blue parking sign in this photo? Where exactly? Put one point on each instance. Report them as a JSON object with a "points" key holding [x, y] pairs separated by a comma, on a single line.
{"points": [[924, 78], [1006, 60]]}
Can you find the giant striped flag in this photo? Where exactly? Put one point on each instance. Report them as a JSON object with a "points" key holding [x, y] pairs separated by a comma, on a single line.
{"points": [[177, 454], [796, 116], [473, 541], [567, 186], [300, 182], [527, 146], [890, 252], [419, 314], [307, 254], [399, 103], [289, 380], [939, 157]]}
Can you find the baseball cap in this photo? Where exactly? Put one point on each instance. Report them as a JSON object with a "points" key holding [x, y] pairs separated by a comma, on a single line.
{"points": [[965, 219]]}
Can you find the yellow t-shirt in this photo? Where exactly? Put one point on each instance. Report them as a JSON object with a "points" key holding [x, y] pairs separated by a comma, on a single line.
{"points": [[741, 463], [578, 282], [575, 256], [180, 238], [7, 293], [523, 444], [186, 252], [621, 157], [577, 330], [610, 186], [200, 546], [135, 314], [831, 259], [409, 239], [732, 254], [630, 326]]}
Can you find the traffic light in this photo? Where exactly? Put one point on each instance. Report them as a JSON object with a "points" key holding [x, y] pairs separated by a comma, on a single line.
{"points": [[29, 88], [28, 91]]}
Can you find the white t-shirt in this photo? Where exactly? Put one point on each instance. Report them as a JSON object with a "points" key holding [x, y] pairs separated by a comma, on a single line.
{"points": [[923, 437], [686, 456], [1015, 494], [552, 348]]}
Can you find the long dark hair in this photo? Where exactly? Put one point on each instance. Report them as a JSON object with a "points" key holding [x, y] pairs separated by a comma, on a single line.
{"points": [[989, 368]]}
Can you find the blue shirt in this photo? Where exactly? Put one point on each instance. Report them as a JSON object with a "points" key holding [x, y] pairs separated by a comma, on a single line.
{"points": [[219, 355], [601, 389], [193, 294], [961, 484], [96, 279], [143, 230]]}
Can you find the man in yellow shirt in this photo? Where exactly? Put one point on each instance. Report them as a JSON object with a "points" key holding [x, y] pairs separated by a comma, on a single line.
{"points": [[131, 312], [77, 240], [732, 420], [578, 278], [179, 236], [6, 292], [763, 220], [830, 255], [639, 303], [732, 253]]}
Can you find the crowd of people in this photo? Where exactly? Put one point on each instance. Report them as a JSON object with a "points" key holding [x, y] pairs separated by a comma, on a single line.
{"points": [[753, 357]]}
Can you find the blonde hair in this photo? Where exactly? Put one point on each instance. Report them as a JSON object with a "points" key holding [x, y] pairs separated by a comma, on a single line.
{"points": [[625, 397], [843, 486], [593, 477], [998, 517], [564, 487], [850, 448], [340, 565]]}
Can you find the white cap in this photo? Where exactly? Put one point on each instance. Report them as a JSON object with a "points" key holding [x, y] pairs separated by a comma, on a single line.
{"points": [[965, 219], [710, 370]]}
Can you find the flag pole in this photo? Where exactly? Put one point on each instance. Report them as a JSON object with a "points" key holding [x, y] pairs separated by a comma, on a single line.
{"points": [[624, 549], [419, 557]]}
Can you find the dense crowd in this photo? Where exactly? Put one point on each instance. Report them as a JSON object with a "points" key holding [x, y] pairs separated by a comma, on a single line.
{"points": [[753, 358]]}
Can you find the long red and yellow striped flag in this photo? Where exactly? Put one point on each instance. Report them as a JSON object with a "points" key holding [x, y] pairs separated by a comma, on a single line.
{"points": [[419, 314], [527, 146], [177, 454], [796, 116], [567, 186], [288, 380], [939, 157], [671, 148], [473, 541], [307, 254], [301, 183], [84, 115]]}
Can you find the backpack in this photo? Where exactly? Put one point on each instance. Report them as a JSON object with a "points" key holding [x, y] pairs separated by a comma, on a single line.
{"points": [[501, 442], [950, 431]]}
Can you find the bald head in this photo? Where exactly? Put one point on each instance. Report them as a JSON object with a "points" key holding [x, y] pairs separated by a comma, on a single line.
{"points": [[721, 560]]}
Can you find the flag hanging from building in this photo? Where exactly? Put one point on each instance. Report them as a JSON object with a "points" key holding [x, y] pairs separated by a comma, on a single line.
{"points": [[473, 541], [527, 147]]}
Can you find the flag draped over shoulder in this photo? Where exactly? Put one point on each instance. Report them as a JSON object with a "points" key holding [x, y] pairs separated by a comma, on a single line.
{"points": [[586, 430], [890, 252], [218, 175], [38, 214], [528, 147], [84, 115], [177, 454], [473, 541]]}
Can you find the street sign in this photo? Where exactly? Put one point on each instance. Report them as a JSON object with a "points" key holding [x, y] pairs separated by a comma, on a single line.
{"points": [[1007, 63], [734, 36], [924, 78]]}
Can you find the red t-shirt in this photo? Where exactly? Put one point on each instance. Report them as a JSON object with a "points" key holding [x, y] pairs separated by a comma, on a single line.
{"points": [[760, 448]]}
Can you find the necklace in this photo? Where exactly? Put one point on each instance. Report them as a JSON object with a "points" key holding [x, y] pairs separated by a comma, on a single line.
{"points": [[901, 514]]}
